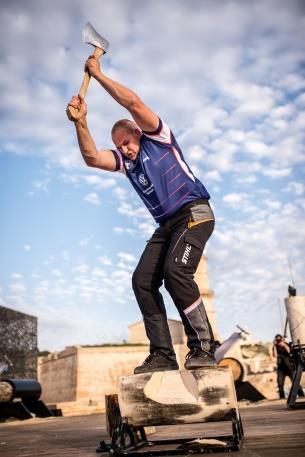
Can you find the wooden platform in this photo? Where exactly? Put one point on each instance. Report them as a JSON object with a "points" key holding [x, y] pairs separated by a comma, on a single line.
{"points": [[178, 396], [270, 431]]}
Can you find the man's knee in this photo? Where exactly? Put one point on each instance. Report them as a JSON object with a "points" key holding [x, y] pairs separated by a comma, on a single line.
{"points": [[137, 280], [181, 286], [171, 279], [145, 281]]}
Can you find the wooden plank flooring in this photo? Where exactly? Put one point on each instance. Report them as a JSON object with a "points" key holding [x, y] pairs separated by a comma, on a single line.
{"points": [[270, 431]]}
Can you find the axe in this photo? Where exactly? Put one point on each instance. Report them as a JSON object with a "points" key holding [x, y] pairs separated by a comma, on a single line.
{"points": [[90, 35]]}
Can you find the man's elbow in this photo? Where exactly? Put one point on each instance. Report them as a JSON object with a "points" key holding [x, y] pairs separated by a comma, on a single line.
{"points": [[90, 161]]}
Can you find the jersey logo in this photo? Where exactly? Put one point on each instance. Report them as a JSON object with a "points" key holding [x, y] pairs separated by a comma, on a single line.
{"points": [[143, 180], [145, 157]]}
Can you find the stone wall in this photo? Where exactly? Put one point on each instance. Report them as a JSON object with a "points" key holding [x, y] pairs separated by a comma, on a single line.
{"points": [[88, 373], [57, 374], [100, 367]]}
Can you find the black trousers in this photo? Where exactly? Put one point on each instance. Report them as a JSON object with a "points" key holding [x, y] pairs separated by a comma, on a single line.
{"points": [[172, 255], [282, 372]]}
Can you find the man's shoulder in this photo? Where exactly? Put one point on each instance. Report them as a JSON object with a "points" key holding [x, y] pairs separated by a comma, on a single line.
{"points": [[162, 134]]}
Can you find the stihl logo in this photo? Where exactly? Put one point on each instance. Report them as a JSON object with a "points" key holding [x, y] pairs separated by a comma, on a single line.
{"points": [[186, 253]]}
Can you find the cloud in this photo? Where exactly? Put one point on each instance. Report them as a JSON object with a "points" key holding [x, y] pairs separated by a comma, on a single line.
{"points": [[82, 269], [276, 173], [65, 255], [16, 276], [234, 199], [56, 273], [127, 257], [92, 198], [98, 182], [252, 257], [104, 260], [213, 175], [84, 241], [296, 188], [18, 288], [257, 148], [121, 230]]}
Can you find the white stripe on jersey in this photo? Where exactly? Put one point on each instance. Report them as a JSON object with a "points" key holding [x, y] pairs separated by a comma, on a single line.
{"points": [[183, 165], [164, 136]]}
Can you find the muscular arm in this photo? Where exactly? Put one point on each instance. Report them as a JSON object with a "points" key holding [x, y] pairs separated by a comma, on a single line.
{"points": [[99, 159], [76, 112], [145, 118]]}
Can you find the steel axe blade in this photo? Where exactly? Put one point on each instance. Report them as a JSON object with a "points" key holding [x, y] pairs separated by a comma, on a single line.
{"points": [[91, 36]]}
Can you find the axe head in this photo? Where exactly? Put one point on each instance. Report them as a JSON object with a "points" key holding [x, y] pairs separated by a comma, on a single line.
{"points": [[91, 36]]}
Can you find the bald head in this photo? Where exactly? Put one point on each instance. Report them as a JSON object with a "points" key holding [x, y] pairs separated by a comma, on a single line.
{"points": [[124, 124], [126, 136]]}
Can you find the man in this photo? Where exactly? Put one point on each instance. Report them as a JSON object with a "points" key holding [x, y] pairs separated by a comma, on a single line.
{"points": [[281, 350], [147, 153]]}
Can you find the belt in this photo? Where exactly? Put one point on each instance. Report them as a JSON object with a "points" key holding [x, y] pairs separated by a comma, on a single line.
{"points": [[185, 209], [188, 206]]}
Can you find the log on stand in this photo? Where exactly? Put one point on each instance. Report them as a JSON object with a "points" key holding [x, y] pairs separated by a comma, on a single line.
{"points": [[175, 397]]}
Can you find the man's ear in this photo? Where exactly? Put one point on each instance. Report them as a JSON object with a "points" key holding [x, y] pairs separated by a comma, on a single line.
{"points": [[138, 132]]}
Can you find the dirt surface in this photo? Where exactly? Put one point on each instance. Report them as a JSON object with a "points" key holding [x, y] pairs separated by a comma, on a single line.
{"points": [[270, 431]]}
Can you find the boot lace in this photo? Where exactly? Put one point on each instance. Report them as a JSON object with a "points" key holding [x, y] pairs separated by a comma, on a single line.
{"points": [[192, 353], [196, 351], [149, 358]]}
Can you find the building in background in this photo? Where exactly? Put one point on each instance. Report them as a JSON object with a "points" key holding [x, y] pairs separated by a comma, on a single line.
{"points": [[18, 344]]}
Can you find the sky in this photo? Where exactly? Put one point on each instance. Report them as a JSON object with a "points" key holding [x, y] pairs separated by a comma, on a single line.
{"points": [[228, 78]]}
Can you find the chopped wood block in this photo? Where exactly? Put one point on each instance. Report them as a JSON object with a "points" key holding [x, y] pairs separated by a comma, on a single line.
{"points": [[6, 391], [177, 397]]}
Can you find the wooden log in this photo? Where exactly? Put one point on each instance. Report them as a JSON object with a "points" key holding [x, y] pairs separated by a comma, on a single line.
{"points": [[6, 392], [235, 365], [177, 397]]}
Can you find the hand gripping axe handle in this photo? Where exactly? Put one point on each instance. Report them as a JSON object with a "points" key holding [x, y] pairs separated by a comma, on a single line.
{"points": [[90, 35]]}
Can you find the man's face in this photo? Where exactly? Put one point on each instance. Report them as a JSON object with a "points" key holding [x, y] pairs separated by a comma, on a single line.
{"points": [[127, 142]]}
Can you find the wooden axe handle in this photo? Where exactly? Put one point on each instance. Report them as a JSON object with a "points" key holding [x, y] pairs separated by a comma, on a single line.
{"points": [[98, 52]]}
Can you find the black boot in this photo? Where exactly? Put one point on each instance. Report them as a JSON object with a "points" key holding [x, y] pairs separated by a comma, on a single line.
{"points": [[157, 361], [162, 356], [197, 358]]}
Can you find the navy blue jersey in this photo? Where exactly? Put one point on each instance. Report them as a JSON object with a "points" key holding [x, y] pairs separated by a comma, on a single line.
{"points": [[160, 175]]}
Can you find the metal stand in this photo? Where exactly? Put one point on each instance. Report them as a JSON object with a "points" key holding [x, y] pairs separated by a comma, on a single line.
{"points": [[127, 440], [299, 358]]}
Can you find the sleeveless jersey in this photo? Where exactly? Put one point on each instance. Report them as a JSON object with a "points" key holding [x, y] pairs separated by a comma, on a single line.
{"points": [[160, 175]]}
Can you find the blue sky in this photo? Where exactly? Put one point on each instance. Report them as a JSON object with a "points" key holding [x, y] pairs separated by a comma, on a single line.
{"points": [[228, 78]]}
